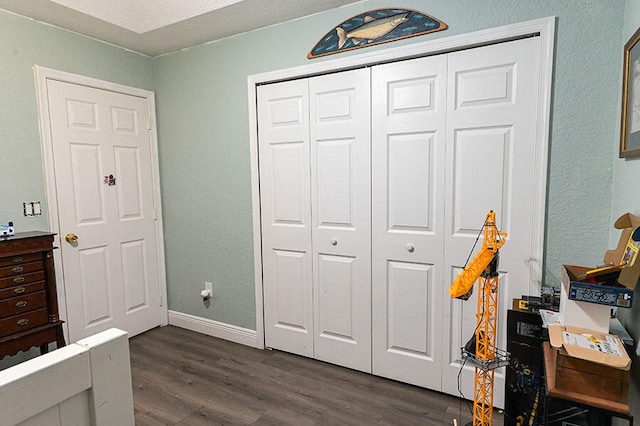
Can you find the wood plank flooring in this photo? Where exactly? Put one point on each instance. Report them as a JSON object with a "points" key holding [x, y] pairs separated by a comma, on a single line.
{"points": [[185, 378]]}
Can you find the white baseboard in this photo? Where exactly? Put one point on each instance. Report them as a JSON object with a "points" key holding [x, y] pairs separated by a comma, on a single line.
{"points": [[217, 329]]}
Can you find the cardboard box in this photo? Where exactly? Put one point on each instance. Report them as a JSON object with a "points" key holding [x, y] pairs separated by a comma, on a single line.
{"points": [[626, 253], [594, 380], [594, 373], [590, 345], [582, 314], [610, 285], [608, 293]]}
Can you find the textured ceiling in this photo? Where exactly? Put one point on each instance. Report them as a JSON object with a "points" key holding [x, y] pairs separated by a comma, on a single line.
{"points": [[142, 16], [154, 27]]}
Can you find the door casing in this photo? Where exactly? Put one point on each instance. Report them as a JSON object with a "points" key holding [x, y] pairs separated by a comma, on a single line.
{"points": [[543, 28], [42, 74]]}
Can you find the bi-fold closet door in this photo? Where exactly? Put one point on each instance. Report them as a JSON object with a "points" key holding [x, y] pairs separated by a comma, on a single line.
{"points": [[453, 136], [441, 140], [314, 150], [408, 181]]}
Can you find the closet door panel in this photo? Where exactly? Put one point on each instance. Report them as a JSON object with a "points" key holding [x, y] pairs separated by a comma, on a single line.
{"points": [[289, 271], [491, 134], [476, 190], [334, 176], [410, 186], [408, 137], [340, 198], [283, 144], [406, 302], [337, 298]]}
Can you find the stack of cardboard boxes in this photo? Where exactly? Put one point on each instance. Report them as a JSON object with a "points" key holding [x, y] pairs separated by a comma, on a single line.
{"points": [[588, 358]]}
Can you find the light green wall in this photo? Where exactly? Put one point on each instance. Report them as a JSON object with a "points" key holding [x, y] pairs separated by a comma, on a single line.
{"points": [[23, 44], [626, 198], [204, 146], [204, 139]]}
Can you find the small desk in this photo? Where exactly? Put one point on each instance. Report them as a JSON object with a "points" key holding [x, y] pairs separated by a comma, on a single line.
{"points": [[601, 404]]}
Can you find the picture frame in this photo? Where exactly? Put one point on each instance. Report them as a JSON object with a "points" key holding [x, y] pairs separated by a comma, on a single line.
{"points": [[630, 123]]}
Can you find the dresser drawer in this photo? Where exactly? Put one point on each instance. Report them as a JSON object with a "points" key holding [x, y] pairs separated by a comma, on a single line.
{"points": [[22, 258], [23, 268], [20, 290], [21, 279], [23, 321], [24, 303]]}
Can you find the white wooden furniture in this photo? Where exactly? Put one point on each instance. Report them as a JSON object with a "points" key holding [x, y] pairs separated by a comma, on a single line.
{"points": [[85, 383]]}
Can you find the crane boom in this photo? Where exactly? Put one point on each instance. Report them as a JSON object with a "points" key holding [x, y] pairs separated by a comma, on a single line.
{"points": [[493, 240]]}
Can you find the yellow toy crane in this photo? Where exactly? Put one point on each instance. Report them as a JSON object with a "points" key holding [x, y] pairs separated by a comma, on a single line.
{"points": [[484, 355]]}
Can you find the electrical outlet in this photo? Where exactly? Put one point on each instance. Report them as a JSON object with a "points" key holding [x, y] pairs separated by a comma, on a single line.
{"points": [[209, 286]]}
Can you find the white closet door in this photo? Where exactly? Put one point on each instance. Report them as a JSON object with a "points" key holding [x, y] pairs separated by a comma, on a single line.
{"points": [[408, 152], [371, 204], [283, 144], [491, 140], [340, 176]]}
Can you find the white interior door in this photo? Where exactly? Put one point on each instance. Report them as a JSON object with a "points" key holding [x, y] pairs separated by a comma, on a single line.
{"points": [[111, 273], [341, 209], [491, 143], [283, 144], [408, 169]]}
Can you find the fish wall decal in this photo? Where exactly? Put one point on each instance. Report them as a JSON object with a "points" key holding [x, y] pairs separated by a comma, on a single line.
{"points": [[375, 27]]}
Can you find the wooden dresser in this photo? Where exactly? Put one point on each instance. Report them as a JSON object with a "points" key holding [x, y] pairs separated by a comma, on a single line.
{"points": [[28, 299]]}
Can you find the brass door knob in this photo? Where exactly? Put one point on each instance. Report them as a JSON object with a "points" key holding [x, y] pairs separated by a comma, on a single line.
{"points": [[71, 238]]}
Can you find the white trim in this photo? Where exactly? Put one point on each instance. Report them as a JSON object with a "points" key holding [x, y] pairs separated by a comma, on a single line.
{"points": [[544, 27], [221, 330], [543, 131], [42, 75], [255, 204]]}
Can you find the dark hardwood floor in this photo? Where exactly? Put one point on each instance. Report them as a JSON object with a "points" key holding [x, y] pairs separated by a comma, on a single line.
{"points": [[185, 378]]}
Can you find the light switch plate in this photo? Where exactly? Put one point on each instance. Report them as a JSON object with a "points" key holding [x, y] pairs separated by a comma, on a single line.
{"points": [[31, 208]]}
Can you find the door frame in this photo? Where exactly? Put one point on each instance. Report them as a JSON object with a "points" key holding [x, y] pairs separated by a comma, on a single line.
{"points": [[543, 28], [42, 76]]}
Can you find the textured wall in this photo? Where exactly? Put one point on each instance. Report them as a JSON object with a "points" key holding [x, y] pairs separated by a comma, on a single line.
{"points": [[203, 132], [23, 44], [626, 198], [204, 144]]}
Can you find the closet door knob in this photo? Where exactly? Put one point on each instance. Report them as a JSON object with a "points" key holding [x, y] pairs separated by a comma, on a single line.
{"points": [[410, 248], [334, 242]]}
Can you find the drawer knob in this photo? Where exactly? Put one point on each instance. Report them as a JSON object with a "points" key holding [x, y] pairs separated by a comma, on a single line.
{"points": [[22, 322], [17, 269], [19, 290], [18, 280], [21, 304], [17, 259], [410, 248], [334, 241]]}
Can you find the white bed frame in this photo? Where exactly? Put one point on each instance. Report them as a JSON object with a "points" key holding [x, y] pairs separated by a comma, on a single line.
{"points": [[85, 383]]}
